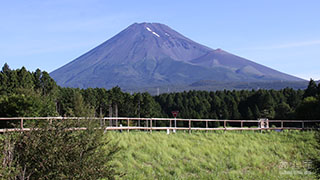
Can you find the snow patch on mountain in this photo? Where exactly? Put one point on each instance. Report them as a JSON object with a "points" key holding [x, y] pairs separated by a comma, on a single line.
{"points": [[153, 32], [148, 29], [156, 34]]}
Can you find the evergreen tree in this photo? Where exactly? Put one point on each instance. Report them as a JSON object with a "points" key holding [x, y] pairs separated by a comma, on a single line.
{"points": [[137, 99], [224, 113], [256, 112], [48, 85], [249, 114], [318, 92], [311, 90], [3, 83], [25, 79], [283, 111], [80, 109], [308, 109], [6, 69], [149, 108], [37, 79]]}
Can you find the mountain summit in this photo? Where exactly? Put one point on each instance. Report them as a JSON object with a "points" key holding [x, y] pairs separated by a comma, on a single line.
{"points": [[153, 54]]}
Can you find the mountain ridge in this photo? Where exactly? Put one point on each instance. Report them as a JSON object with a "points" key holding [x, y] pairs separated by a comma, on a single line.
{"points": [[151, 54]]}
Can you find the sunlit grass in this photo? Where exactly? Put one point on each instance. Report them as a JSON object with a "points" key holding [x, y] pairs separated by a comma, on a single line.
{"points": [[215, 155]]}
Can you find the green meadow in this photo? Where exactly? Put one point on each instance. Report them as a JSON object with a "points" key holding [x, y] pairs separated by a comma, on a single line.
{"points": [[215, 155]]}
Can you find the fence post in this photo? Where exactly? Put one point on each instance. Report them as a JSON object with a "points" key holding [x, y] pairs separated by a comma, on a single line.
{"points": [[189, 126], [150, 125], [302, 124], [147, 125], [225, 124], [21, 123], [241, 124], [128, 124], [207, 126], [110, 122], [282, 125], [116, 121]]}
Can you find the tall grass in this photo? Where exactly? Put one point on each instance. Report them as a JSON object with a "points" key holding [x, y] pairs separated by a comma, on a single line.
{"points": [[215, 155]]}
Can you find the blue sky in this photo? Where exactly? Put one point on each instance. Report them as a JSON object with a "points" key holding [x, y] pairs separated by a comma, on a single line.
{"points": [[46, 34]]}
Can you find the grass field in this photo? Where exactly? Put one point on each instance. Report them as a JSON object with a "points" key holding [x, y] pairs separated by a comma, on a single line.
{"points": [[215, 155]]}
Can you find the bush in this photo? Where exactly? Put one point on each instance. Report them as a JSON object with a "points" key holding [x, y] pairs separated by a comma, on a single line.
{"points": [[316, 158], [56, 152]]}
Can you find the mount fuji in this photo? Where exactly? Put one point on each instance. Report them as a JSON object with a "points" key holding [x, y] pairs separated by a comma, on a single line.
{"points": [[153, 54]]}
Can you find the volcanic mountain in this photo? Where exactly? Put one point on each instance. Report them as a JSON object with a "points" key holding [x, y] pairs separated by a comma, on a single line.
{"points": [[153, 54]]}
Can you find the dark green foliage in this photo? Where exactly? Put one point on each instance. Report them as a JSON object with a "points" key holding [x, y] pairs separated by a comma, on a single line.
{"points": [[57, 153], [309, 109], [283, 111], [249, 114], [70, 102], [12, 81], [35, 94], [23, 93], [311, 90], [21, 105], [316, 158], [148, 107], [232, 104]]}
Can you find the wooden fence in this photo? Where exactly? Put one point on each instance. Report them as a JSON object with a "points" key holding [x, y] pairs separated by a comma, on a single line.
{"points": [[150, 124]]}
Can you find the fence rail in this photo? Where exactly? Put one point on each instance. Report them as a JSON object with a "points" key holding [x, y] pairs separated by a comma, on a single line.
{"points": [[149, 124]]}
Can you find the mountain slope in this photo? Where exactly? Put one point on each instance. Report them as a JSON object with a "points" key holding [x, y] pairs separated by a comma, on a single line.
{"points": [[220, 58], [151, 54]]}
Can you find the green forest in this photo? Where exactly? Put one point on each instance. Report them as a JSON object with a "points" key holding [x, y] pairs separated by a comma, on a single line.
{"points": [[54, 153], [28, 94]]}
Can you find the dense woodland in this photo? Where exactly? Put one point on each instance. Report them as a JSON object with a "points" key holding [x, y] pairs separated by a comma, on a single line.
{"points": [[24, 93], [87, 154]]}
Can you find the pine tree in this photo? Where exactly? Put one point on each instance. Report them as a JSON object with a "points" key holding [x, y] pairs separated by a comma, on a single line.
{"points": [[311, 90], [6, 69], [283, 111], [25, 79], [250, 115], [37, 79], [256, 112]]}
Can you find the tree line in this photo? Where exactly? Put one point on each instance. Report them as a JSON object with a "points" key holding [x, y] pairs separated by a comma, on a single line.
{"points": [[61, 154], [25, 93]]}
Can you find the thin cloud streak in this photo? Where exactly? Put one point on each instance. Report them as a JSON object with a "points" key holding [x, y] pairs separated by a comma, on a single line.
{"points": [[286, 46]]}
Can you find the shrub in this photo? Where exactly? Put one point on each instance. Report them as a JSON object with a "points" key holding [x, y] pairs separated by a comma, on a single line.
{"points": [[56, 152], [316, 158]]}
